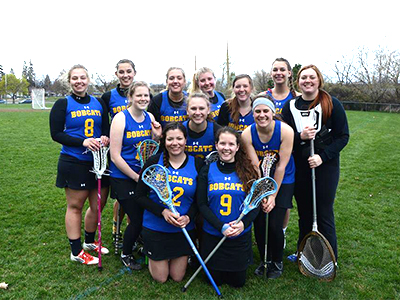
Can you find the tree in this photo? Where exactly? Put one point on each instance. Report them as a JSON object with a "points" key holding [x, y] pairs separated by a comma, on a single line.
{"points": [[103, 84], [262, 81], [11, 85], [1, 72], [47, 83]]}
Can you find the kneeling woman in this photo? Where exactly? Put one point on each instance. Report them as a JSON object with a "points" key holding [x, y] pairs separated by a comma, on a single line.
{"points": [[222, 188], [164, 242]]}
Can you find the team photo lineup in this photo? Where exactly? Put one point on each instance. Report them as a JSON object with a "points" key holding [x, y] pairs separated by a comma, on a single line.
{"points": [[194, 174]]}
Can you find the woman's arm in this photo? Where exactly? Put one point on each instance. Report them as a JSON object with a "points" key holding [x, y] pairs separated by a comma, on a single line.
{"points": [[116, 138], [248, 146]]}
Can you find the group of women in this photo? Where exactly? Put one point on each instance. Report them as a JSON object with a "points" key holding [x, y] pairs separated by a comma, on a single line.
{"points": [[208, 197]]}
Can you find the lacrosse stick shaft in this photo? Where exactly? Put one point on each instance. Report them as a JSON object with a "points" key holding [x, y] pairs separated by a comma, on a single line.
{"points": [[266, 244], [118, 228], [314, 190], [99, 218], [209, 257]]}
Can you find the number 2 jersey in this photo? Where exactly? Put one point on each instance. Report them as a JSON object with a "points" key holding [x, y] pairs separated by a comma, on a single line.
{"points": [[225, 198], [134, 134], [183, 182]]}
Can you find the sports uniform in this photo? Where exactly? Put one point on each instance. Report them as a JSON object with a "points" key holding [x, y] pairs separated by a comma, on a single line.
{"points": [[165, 110], [162, 240], [283, 201], [216, 103], [332, 137], [225, 119], [279, 103], [220, 195]]}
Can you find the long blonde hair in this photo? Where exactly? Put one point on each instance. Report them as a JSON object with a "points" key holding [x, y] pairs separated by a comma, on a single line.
{"points": [[194, 86]]}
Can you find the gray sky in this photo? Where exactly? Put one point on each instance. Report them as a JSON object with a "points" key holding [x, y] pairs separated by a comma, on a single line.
{"points": [[156, 34]]}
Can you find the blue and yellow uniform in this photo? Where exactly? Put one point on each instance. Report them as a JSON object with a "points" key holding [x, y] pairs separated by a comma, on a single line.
{"points": [[117, 103], [203, 145], [215, 107], [279, 103]]}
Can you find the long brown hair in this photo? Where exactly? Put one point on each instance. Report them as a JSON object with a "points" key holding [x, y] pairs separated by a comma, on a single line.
{"points": [[323, 97], [244, 167], [233, 104]]}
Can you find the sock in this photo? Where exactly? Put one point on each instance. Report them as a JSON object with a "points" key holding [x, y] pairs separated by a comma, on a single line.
{"points": [[89, 237], [76, 246], [284, 230]]}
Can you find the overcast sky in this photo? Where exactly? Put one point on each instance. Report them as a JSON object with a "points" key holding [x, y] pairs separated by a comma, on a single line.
{"points": [[156, 35]]}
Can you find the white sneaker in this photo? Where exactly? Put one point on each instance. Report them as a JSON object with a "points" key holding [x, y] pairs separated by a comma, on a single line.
{"points": [[95, 247], [85, 258]]}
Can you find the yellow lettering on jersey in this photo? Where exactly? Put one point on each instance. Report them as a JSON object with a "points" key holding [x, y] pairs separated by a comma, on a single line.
{"points": [[85, 112], [238, 127], [173, 118], [200, 148], [228, 186], [138, 133]]}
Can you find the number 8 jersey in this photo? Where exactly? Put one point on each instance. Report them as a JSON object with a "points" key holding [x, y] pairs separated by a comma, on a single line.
{"points": [[82, 121], [225, 198]]}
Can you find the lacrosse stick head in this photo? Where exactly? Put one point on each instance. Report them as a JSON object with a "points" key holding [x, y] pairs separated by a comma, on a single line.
{"points": [[269, 162], [156, 177], [211, 157], [316, 257], [146, 149], [100, 160], [260, 189]]}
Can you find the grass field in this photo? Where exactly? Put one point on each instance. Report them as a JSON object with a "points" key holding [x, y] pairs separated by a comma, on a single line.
{"points": [[34, 250]]}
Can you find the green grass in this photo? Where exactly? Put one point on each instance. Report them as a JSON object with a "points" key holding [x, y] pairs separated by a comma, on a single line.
{"points": [[34, 250]]}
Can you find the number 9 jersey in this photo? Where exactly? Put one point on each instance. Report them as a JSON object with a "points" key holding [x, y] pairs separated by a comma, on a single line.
{"points": [[225, 198], [82, 121]]}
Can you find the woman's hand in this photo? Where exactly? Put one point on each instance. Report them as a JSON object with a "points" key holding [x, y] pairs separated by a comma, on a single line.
{"points": [[234, 229], [308, 133], [156, 130], [268, 204], [105, 140], [171, 218], [92, 144], [183, 221], [314, 161]]}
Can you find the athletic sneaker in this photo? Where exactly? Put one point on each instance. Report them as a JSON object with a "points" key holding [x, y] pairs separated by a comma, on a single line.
{"points": [[275, 270], [130, 262], [259, 271], [95, 247], [85, 258], [292, 257]]}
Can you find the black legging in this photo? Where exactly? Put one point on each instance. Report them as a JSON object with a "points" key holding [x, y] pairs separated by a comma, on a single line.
{"points": [[132, 231], [235, 279]]}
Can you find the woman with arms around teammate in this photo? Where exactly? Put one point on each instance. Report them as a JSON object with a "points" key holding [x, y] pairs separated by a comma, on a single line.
{"points": [[316, 115], [236, 112], [222, 188], [200, 127], [75, 122], [204, 80], [164, 242], [128, 129], [270, 135], [116, 101], [169, 105]]}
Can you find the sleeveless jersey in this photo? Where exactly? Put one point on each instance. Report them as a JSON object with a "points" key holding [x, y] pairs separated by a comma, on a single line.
{"points": [[279, 103], [170, 114], [183, 184], [117, 103], [244, 122], [134, 133], [82, 121], [225, 198], [202, 146], [215, 107], [273, 145]]}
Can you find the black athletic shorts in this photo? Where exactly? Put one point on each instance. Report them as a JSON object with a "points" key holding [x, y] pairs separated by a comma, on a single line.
{"points": [[285, 195], [122, 189], [161, 245], [76, 174]]}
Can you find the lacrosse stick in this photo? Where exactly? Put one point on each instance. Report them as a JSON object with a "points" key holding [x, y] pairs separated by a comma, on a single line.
{"points": [[156, 177], [99, 167], [316, 257], [211, 157], [260, 189], [267, 164]]}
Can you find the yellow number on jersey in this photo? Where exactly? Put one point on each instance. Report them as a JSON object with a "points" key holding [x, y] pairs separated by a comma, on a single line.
{"points": [[89, 127], [177, 196], [226, 202]]}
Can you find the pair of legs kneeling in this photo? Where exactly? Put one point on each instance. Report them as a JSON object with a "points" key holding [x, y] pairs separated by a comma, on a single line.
{"points": [[174, 268]]}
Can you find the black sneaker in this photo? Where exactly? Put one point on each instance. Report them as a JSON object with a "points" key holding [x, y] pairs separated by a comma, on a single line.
{"points": [[275, 270], [130, 262]]}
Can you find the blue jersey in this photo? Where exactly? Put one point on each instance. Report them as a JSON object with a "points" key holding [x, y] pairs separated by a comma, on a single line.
{"points": [[183, 184], [279, 103], [117, 103], [202, 146], [273, 145], [244, 122], [225, 198], [134, 133], [215, 107], [82, 121], [171, 114]]}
